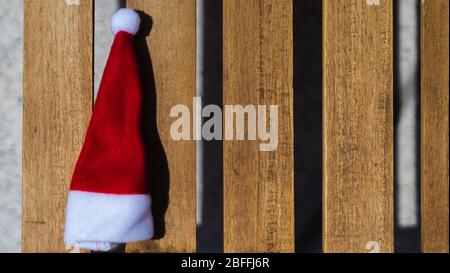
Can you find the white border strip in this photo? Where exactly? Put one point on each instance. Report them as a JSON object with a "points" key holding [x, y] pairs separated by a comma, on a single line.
{"points": [[98, 221]]}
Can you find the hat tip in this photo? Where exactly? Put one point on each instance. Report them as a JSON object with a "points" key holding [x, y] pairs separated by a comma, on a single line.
{"points": [[126, 20]]}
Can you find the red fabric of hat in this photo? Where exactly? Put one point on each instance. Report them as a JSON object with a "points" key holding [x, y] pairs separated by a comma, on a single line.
{"points": [[109, 202]]}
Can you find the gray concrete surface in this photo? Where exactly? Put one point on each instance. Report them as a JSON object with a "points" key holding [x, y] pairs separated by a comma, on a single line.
{"points": [[102, 37], [10, 124], [407, 127]]}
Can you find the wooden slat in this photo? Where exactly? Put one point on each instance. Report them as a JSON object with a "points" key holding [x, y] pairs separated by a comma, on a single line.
{"points": [[358, 126], [258, 70], [434, 125], [57, 106], [172, 45]]}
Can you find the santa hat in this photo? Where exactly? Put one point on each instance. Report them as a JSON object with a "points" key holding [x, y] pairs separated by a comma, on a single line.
{"points": [[109, 202]]}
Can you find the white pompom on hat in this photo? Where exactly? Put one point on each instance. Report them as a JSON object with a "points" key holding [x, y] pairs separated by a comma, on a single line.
{"points": [[126, 20]]}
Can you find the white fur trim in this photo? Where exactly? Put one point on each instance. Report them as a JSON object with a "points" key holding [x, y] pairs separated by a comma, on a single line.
{"points": [[125, 20], [98, 221]]}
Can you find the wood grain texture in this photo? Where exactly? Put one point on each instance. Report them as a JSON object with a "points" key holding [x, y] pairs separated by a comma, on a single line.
{"points": [[258, 70], [357, 126], [172, 47], [434, 125], [57, 107]]}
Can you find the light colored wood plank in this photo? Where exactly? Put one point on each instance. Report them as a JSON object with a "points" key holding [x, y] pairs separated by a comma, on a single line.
{"points": [[434, 125], [57, 107], [258, 70], [357, 126], [172, 45]]}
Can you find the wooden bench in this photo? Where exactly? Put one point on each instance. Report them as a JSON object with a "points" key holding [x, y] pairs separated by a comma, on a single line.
{"points": [[358, 138]]}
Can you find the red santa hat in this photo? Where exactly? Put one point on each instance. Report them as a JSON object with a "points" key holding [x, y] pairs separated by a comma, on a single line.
{"points": [[109, 201]]}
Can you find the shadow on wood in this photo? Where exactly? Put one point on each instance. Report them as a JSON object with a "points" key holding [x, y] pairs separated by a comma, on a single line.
{"points": [[158, 169]]}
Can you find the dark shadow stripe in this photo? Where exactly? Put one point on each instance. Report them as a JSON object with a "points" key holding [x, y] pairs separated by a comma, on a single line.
{"points": [[210, 231], [308, 125]]}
